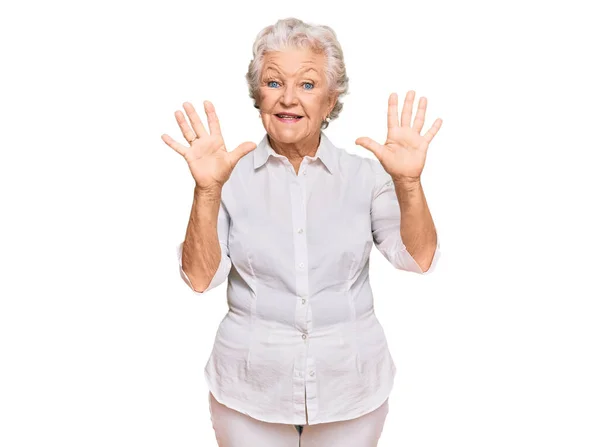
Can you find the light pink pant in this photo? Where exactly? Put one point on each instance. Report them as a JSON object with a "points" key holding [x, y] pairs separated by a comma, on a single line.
{"points": [[235, 429]]}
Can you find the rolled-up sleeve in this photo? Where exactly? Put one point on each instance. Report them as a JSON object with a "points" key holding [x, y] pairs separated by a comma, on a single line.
{"points": [[225, 262], [385, 225]]}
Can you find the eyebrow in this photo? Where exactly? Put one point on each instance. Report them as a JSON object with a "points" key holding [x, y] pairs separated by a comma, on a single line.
{"points": [[276, 68]]}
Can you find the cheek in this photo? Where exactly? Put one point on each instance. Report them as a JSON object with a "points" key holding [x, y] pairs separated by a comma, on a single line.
{"points": [[321, 103], [267, 98], [314, 106]]}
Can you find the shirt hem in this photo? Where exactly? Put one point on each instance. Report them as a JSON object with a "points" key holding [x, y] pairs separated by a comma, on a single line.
{"points": [[238, 406]]}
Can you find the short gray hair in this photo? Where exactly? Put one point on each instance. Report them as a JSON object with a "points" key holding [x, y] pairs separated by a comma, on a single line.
{"points": [[294, 33]]}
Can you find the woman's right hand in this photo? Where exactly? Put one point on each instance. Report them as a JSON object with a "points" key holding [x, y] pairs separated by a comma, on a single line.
{"points": [[209, 161]]}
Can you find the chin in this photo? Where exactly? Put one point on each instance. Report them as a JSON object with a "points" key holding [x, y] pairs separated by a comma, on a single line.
{"points": [[287, 135]]}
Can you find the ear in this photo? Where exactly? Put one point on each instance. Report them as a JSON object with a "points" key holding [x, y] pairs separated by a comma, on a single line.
{"points": [[256, 98], [331, 104]]}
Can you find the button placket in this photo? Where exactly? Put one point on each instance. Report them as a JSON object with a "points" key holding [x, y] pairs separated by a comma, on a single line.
{"points": [[302, 320]]}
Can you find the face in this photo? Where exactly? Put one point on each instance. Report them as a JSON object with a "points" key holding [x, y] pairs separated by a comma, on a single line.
{"points": [[293, 82]]}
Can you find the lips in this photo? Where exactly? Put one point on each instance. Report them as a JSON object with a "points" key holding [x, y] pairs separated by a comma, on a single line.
{"points": [[287, 119], [287, 116]]}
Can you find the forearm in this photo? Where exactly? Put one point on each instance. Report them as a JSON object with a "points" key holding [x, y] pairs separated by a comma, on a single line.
{"points": [[417, 229], [201, 253]]}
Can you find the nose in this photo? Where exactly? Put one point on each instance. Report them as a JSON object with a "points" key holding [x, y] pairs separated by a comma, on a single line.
{"points": [[288, 98]]}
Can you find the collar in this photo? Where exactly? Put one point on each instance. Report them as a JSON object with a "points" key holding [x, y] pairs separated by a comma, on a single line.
{"points": [[325, 152]]}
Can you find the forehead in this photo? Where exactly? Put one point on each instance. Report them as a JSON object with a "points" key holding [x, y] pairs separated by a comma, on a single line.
{"points": [[293, 60]]}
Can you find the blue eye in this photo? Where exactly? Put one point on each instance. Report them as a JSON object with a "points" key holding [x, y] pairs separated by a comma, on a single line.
{"points": [[309, 83], [271, 82]]}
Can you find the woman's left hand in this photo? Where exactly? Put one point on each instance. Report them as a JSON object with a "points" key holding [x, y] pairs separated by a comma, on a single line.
{"points": [[404, 152]]}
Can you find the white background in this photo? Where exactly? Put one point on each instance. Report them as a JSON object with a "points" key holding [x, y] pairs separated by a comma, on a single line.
{"points": [[102, 343]]}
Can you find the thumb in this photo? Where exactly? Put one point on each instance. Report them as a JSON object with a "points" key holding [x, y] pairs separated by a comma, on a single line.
{"points": [[370, 145], [242, 150]]}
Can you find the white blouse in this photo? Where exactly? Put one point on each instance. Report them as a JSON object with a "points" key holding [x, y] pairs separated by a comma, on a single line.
{"points": [[300, 343]]}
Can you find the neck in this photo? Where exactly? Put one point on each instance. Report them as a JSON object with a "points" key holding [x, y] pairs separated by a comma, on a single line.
{"points": [[297, 151]]}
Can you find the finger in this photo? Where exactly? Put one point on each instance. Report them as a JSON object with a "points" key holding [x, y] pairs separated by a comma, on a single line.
{"points": [[179, 148], [420, 117], [213, 122], [392, 118], [242, 150], [371, 145], [195, 120], [433, 131], [407, 109], [186, 130]]}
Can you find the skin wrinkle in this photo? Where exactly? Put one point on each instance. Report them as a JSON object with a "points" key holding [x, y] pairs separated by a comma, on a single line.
{"points": [[271, 72], [295, 140], [417, 228], [275, 68], [202, 239]]}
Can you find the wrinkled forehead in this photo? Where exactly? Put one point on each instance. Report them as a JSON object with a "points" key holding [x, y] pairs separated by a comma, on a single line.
{"points": [[294, 61]]}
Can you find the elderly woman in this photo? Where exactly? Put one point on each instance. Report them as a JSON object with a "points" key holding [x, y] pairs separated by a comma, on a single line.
{"points": [[300, 352]]}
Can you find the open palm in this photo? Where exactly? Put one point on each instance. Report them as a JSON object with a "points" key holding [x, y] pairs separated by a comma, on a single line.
{"points": [[209, 161], [404, 152]]}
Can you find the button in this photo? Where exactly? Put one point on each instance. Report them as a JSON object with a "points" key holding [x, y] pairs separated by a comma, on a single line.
{"points": [[304, 172], [300, 230], [301, 265], [303, 300], [304, 336], [312, 373]]}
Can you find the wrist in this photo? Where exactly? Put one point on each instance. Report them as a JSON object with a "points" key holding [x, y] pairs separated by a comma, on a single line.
{"points": [[208, 192], [407, 182]]}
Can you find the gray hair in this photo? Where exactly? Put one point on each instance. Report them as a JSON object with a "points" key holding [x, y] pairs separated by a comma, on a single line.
{"points": [[294, 33]]}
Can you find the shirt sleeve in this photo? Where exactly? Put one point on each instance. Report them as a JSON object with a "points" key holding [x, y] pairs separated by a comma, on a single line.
{"points": [[225, 263], [385, 225]]}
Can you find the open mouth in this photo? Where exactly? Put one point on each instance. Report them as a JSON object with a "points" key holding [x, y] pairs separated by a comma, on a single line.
{"points": [[288, 118]]}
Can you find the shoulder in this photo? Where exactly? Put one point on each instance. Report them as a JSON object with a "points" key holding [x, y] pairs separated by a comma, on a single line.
{"points": [[355, 163], [367, 167], [373, 177]]}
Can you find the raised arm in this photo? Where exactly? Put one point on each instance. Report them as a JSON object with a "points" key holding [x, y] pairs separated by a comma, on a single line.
{"points": [[402, 225], [204, 256]]}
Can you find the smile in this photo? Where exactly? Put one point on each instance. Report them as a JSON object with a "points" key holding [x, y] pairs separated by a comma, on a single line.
{"points": [[288, 118]]}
